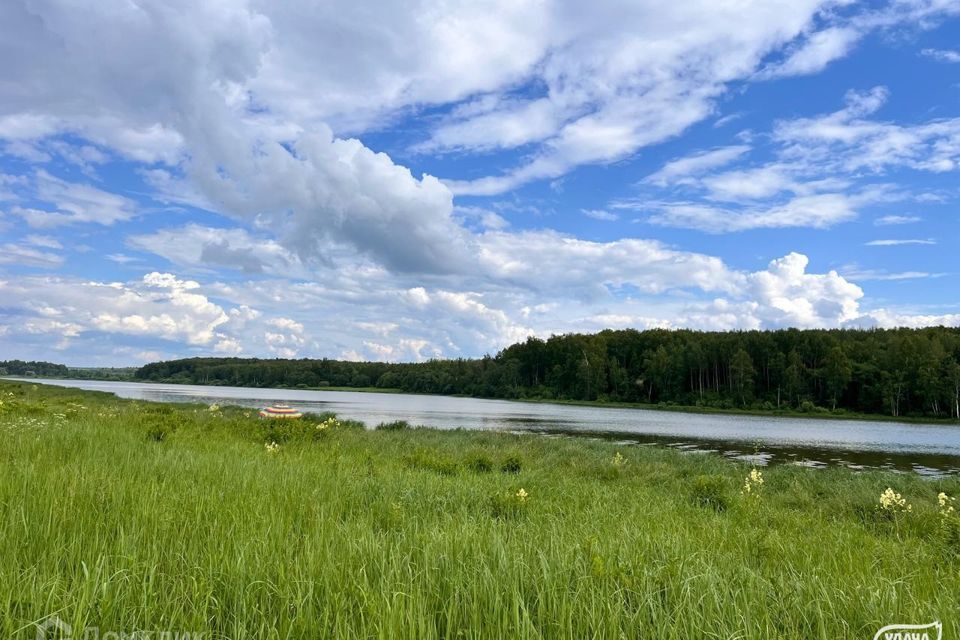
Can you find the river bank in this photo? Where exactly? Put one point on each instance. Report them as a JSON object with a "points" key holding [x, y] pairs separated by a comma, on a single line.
{"points": [[129, 515], [816, 413], [922, 448]]}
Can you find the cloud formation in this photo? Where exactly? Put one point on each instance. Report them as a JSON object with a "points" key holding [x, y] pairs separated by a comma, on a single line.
{"points": [[259, 125]]}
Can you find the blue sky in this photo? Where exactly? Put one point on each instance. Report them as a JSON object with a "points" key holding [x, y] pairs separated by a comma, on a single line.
{"points": [[402, 181]]}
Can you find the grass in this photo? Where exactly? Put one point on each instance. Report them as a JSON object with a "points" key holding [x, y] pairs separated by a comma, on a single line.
{"points": [[130, 516]]}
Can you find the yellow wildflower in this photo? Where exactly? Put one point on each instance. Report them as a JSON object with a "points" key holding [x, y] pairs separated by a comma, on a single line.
{"points": [[893, 502], [753, 482], [522, 495], [272, 447], [326, 424], [946, 504]]}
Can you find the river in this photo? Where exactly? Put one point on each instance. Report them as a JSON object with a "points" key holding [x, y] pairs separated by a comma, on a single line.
{"points": [[929, 449]]}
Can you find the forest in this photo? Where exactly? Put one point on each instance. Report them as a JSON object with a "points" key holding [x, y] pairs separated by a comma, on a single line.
{"points": [[33, 368], [896, 372]]}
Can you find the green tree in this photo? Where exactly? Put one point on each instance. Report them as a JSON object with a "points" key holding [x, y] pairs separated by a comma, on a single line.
{"points": [[794, 377], [742, 373], [838, 372]]}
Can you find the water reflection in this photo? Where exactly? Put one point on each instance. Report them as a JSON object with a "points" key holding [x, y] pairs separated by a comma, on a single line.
{"points": [[762, 454]]}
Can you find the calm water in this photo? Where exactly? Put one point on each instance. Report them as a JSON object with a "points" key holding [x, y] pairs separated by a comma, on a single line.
{"points": [[928, 449]]}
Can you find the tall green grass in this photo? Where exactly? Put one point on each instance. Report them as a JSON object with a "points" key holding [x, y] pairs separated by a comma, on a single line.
{"points": [[129, 516]]}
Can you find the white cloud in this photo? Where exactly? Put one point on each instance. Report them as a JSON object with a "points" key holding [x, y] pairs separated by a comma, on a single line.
{"points": [[72, 203], [676, 170], [844, 141], [227, 345], [862, 275], [788, 296], [822, 172], [121, 258], [14, 254], [549, 261], [286, 324], [819, 211], [623, 78], [46, 242], [654, 73], [209, 248], [159, 306], [250, 117], [600, 214], [890, 318], [815, 53], [899, 242], [942, 55], [894, 219]]}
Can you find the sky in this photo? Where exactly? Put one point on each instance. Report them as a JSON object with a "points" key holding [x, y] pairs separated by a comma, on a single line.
{"points": [[410, 180]]}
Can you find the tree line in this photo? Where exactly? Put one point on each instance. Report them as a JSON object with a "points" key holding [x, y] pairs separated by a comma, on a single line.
{"points": [[32, 368], [898, 372]]}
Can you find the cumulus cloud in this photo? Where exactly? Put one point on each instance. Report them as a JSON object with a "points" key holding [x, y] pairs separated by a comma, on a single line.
{"points": [[160, 305], [259, 116], [789, 296]]}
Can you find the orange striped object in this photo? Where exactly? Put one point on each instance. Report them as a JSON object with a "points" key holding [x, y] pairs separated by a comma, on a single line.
{"points": [[280, 411]]}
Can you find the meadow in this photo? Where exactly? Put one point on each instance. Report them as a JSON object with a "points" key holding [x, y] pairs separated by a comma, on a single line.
{"points": [[138, 519]]}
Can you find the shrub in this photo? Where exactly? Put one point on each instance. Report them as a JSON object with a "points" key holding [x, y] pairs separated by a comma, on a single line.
{"points": [[480, 463], [512, 464], [162, 425], [710, 492], [396, 425], [431, 461], [506, 506], [157, 433]]}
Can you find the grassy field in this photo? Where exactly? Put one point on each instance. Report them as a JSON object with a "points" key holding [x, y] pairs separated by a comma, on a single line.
{"points": [[127, 517]]}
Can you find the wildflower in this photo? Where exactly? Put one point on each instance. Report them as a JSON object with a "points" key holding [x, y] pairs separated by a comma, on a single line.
{"points": [[272, 447], [753, 482], [618, 460], [326, 424], [946, 504], [522, 495], [893, 502], [214, 407]]}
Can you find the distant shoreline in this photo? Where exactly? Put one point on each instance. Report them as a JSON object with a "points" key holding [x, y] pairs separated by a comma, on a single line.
{"points": [[692, 409]]}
